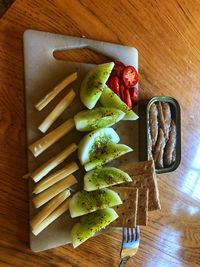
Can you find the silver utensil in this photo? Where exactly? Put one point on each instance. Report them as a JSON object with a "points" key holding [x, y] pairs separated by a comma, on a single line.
{"points": [[130, 244]]}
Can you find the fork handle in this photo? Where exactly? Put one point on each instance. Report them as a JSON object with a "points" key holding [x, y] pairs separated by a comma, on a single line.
{"points": [[124, 261]]}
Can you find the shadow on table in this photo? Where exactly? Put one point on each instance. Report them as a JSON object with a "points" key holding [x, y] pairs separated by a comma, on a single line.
{"points": [[14, 190], [4, 5]]}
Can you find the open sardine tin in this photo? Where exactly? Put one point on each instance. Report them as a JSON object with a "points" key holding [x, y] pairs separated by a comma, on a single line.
{"points": [[145, 138]]}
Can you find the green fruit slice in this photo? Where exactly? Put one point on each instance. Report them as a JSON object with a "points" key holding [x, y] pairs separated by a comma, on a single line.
{"points": [[104, 177], [110, 99], [111, 152], [95, 143], [89, 120], [84, 202], [93, 84], [91, 224]]}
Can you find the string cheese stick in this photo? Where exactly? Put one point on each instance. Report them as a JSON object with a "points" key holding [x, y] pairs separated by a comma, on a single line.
{"points": [[55, 177], [26, 176], [55, 91], [49, 208], [57, 111], [49, 139], [52, 217], [43, 170], [48, 194]]}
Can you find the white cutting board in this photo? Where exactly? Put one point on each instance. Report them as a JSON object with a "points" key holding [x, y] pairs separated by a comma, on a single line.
{"points": [[42, 72]]}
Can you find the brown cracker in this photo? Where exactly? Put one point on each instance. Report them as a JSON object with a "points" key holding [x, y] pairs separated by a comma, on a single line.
{"points": [[137, 168], [142, 209], [128, 210], [144, 176]]}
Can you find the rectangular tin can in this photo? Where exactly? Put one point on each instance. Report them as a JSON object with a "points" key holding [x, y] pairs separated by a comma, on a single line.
{"points": [[145, 138]]}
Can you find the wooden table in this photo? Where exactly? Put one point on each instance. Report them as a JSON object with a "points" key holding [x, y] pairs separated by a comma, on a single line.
{"points": [[167, 35]]}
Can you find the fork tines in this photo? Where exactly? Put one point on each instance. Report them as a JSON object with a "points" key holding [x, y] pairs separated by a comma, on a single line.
{"points": [[131, 234]]}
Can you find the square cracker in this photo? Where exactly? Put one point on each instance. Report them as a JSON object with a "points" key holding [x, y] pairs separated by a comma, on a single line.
{"points": [[137, 168], [144, 176], [142, 208], [128, 210]]}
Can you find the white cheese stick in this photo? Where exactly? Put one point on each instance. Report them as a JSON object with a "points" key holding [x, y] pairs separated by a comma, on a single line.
{"points": [[57, 111], [55, 91], [26, 176], [49, 139], [49, 208], [54, 190], [55, 177], [52, 217], [43, 170]]}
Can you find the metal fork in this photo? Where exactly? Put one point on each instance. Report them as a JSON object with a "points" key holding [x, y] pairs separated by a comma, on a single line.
{"points": [[130, 244]]}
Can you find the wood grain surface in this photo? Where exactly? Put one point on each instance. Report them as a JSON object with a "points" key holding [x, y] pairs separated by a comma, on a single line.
{"points": [[167, 35]]}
